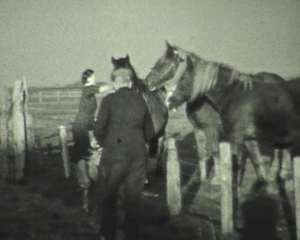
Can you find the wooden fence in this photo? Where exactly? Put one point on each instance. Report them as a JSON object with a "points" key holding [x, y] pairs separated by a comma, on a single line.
{"points": [[17, 141], [17, 137], [25, 112], [46, 95], [229, 208]]}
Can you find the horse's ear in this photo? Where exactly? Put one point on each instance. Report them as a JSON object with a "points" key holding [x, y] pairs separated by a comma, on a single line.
{"points": [[170, 49], [113, 61], [127, 59], [189, 63]]}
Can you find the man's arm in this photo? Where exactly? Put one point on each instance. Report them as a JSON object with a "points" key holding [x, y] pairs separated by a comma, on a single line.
{"points": [[100, 126]]}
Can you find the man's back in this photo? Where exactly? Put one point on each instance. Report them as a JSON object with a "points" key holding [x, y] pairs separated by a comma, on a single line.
{"points": [[123, 126]]}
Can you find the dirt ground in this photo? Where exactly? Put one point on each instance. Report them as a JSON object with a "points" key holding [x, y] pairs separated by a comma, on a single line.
{"points": [[49, 207]]}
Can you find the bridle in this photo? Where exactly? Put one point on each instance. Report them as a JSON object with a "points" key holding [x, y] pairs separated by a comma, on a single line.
{"points": [[171, 84]]}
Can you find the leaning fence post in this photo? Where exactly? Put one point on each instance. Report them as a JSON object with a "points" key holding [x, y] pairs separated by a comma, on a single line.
{"points": [[64, 150], [173, 179], [19, 130], [226, 188], [29, 134], [296, 168], [4, 134]]}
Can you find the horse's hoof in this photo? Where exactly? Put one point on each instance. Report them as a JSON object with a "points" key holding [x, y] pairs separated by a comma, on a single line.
{"points": [[147, 185], [149, 194]]}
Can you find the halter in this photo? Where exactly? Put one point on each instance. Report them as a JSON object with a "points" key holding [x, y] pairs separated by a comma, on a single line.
{"points": [[182, 67]]}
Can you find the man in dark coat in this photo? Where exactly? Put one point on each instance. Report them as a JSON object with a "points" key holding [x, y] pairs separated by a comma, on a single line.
{"points": [[122, 129]]}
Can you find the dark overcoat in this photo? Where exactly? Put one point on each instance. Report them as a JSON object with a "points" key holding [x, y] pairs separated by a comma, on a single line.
{"points": [[123, 127]]}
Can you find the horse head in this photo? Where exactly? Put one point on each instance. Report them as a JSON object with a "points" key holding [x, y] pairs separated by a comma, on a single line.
{"points": [[182, 89], [172, 71], [124, 64], [165, 68], [121, 62]]}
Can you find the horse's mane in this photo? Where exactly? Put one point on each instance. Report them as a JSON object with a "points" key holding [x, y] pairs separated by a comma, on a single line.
{"points": [[206, 74], [138, 84]]}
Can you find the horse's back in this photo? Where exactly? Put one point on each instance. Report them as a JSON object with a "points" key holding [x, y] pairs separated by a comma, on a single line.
{"points": [[266, 112], [293, 87], [268, 77]]}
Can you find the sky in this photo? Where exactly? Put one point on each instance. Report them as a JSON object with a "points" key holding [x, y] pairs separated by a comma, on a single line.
{"points": [[52, 42]]}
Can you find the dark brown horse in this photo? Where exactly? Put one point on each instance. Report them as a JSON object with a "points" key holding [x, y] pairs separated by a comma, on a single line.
{"points": [[208, 131], [156, 106], [251, 110]]}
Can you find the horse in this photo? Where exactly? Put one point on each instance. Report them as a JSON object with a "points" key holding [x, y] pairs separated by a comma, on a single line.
{"points": [[208, 130], [251, 111], [157, 108]]}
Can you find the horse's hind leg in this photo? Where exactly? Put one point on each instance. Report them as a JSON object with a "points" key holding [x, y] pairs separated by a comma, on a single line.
{"points": [[242, 168], [285, 169], [255, 156]]}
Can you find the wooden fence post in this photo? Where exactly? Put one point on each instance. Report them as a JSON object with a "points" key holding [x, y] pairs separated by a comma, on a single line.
{"points": [[19, 130], [173, 179], [227, 213], [64, 150], [29, 134], [4, 134], [296, 168]]}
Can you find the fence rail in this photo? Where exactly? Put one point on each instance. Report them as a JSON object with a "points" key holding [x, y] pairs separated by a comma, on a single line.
{"points": [[54, 95]]}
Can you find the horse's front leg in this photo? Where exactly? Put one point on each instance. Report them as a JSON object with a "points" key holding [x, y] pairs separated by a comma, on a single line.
{"points": [[160, 156], [255, 156]]}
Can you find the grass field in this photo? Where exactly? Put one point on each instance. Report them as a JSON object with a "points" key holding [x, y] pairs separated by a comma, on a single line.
{"points": [[50, 207]]}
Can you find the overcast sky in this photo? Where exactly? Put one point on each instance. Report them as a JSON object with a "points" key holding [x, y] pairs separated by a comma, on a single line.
{"points": [[52, 42]]}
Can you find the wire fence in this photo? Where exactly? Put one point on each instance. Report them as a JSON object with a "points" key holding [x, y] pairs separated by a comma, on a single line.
{"points": [[49, 111]]}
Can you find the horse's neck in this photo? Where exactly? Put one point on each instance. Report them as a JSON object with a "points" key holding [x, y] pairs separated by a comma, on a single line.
{"points": [[225, 77], [139, 85]]}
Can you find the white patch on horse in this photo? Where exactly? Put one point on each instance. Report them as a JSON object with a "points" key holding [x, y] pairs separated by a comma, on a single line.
{"points": [[170, 90]]}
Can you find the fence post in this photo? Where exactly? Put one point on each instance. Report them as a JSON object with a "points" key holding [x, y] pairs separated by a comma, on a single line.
{"points": [[64, 150], [19, 137], [296, 168], [29, 134], [227, 213], [4, 134], [173, 179]]}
